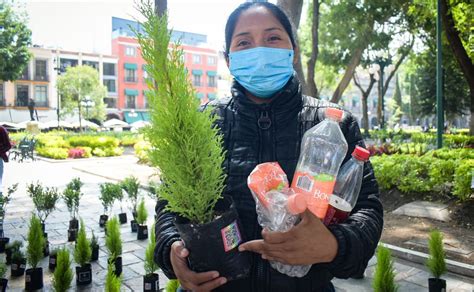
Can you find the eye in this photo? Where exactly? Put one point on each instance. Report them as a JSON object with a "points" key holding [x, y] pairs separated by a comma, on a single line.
{"points": [[243, 43], [274, 38]]}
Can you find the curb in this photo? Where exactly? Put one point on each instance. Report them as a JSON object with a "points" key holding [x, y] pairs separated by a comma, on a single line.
{"points": [[420, 258]]}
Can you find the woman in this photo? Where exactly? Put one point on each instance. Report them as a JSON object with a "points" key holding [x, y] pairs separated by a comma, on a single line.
{"points": [[263, 121]]}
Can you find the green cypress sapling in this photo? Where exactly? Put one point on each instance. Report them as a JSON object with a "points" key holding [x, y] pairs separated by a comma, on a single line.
{"points": [[142, 213], [436, 262], [113, 240], [63, 274], [82, 250], [384, 278], [112, 282], [172, 285], [94, 242], [150, 265], [36, 242]]}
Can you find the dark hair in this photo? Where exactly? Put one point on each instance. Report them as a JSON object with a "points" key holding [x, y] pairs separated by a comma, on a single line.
{"points": [[275, 10]]}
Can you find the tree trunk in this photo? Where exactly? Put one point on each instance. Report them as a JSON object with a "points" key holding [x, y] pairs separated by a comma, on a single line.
{"points": [[354, 62], [460, 53], [312, 88], [160, 7], [80, 116], [365, 115]]}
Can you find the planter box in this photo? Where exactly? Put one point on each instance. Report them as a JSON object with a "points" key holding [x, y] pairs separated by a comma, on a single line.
{"points": [[95, 254], [18, 268], [436, 285], [117, 264], [52, 262], [84, 275], [71, 235], [102, 220], [74, 224], [33, 279], [134, 225], [151, 282], [3, 241], [142, 232], [123, 218]]}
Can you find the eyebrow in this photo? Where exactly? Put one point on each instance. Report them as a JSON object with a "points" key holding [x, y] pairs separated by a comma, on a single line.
{"points": [[266, 30]]}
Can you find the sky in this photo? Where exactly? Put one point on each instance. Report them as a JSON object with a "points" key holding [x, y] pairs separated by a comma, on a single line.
{"points": [[85, 25]]}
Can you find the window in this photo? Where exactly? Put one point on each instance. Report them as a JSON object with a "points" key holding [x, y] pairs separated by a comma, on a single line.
{"points": [[92, 64], [130, 51], [110, 84], [130, 101], [110, 102], [65, 63], [196, 80], [197, 59], [130, 75], [2, 96], [41, 70], [22, 95], [41, 95], [211, 81], [109, 69], [25, 74], [211, 60]]}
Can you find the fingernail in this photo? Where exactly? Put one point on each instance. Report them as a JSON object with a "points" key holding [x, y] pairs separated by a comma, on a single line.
{"points": [[241, 248], [264, 257], [215, 275], [223, 281]]}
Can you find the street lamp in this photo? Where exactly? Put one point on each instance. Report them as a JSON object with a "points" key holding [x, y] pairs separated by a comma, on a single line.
{"points": [[58, 70], [87, 103], [382, 62]]}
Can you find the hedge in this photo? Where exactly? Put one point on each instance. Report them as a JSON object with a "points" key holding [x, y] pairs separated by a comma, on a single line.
{"points": [[53, 152]]}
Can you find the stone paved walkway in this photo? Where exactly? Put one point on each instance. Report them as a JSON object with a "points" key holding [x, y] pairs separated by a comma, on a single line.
{"points": [[411, 277]]}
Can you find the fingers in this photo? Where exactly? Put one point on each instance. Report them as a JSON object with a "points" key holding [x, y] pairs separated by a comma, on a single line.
{"points": [[254, 245], [178, 249], [211, 285], [273, 237]]}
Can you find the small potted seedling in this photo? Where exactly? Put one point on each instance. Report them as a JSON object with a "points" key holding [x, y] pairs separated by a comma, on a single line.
{"points": [[4, 200], [172, 285], [53, 260], [113, 242], [34, 254], [94, 248], [151, 279], [142, 215], [71, 196], [18, 265], [384, 278], [112, 281], [82, 256], [10, 249], [3, 280], [130, 185], [436, 262], [118, 195], [107, 197], [63, 275]]}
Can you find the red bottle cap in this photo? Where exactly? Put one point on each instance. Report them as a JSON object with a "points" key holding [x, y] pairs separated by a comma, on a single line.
{"points": [[334, 113], [296, 204], [361, 153]]}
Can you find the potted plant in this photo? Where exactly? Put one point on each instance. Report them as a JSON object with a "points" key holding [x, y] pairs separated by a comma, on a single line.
{"points": [[187, 148], [82, 256], [151, 279], [18, 263], [113, 242], [118, 195], [4, 200], [107, 197], [142, 215], [172, 285], [436, 262], [63, 275], [130, 185], [94, 248], [34, 254], [10, 249], [153, 191], [112, 281], [71, 196], [53, 257], [384, 278], [3, 280]]}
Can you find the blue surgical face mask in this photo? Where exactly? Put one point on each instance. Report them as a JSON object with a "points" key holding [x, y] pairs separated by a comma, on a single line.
{"points": [[262, 71]]}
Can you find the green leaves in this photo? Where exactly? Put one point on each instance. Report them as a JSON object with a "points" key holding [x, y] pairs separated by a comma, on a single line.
{"points": [[142, 213], [186, 147], [112, 282], [436, 262], [108, 193], [150, 265], [82, 250], [63, 275], [113, 240], [44, 199], [72, 195], [384, 278], [131, 185], [36, 242]]}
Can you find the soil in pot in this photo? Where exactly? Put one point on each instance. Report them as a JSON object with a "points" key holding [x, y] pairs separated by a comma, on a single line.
{"points": [[95, 253], [74, 224], [18, 268], [151, 282], [71, 235], [134, 225], [102, 220], [33, 279], [436, 285], [118, 265], [52, 262], [3, 241], [142, 232], [214, 246], [123, 218], [84, 275], [3, 284]]}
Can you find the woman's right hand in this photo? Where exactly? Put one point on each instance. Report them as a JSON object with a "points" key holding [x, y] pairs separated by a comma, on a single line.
{"points": [[189, 280]]}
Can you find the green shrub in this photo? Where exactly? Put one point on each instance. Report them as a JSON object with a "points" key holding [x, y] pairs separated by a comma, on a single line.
{"points": [[87, 151], [384, 278], [112, 282], [44, 199], [129, 140], [82, 250], [93, 141], [150, 264], [463, 178], [107, 152], [142, 149], [63, 275], [108, 193], [436, 262], [99, 152], [36, 242], [3, 269], [48, 140], [54, 153], [142, 213], [172, 285], [113, 240], [5, 199], [72, 195], [131, 185]]}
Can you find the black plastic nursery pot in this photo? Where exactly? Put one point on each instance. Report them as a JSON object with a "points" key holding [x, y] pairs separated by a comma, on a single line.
{"points": [[102, 220], [43, 228], [142, 232], [71, 235], [33, 279], [122, 218], [436, 285], [3, 242], [18, 268], [8, 256], [151, 282], [46, 246], [214, 246], [117, 264], [95, 254], [74, 224], [3, 284], [134, 225], [52, 262], [84, 275]]}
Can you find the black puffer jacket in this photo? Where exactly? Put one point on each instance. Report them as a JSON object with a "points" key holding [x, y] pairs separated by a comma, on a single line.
{"points": [[255, 134]]}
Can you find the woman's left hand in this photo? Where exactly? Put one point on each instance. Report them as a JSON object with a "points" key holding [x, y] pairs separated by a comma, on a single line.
{"points": [[309, 242]]}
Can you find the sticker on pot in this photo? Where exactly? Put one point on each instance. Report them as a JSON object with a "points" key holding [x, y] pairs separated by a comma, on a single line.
{"points": [[231, 236]]}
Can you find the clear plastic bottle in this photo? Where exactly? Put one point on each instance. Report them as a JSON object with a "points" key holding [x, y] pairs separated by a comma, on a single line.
{"points": [[347, 188], [322, 151]]}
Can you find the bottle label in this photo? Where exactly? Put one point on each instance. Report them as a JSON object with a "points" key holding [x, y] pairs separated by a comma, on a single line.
{"points": [[317, 190], [231, 236]]}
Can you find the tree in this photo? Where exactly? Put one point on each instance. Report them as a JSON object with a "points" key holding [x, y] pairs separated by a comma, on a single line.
{"points": [[160, 7], [365, 96], [15, 37], [77, 84]]}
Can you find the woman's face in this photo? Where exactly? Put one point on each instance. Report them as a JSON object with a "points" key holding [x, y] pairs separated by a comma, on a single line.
{"points": [[257, 27]]}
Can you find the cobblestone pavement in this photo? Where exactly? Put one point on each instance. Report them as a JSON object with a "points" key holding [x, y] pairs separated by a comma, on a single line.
{"points": [[410, 277]]}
